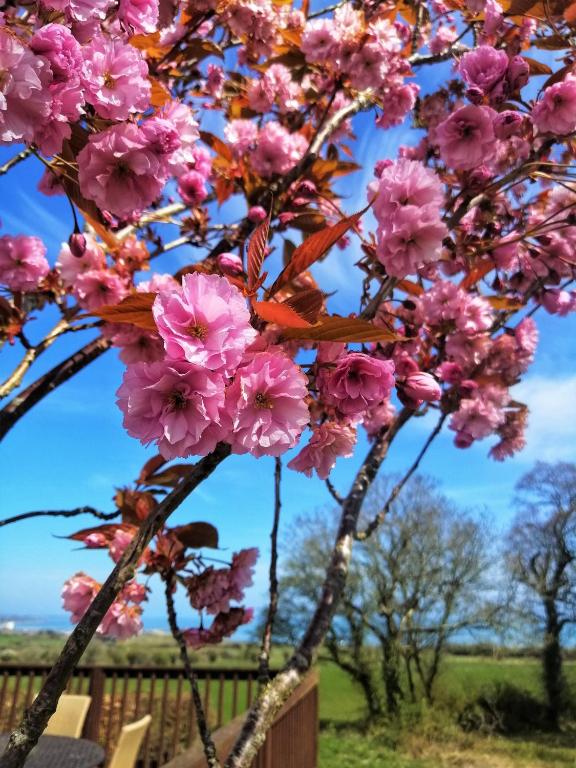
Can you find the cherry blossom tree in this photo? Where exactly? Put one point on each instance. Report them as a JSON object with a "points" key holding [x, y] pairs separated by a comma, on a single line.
{"points": [[473, 232]]}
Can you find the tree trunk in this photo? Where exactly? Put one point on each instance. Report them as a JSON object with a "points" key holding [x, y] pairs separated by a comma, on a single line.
{"points": [[391, 675], [554, 683]]}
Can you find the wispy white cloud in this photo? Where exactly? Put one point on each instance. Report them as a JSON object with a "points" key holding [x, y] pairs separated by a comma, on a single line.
{"points": [[551, 432]]}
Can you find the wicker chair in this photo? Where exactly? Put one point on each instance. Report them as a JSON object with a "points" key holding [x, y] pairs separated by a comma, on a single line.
{"points": [[68, 720], [129, 743]]}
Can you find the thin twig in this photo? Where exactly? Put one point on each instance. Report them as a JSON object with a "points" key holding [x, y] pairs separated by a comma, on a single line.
{"points": [[338, 498], [26, 735], [60, 513], [264, 659], [205, 734], [15, 160], [379, 518]]}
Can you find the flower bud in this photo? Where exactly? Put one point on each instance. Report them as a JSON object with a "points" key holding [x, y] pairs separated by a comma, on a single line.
{"points": [[230, 264], [256, 214], [422, 386], [508, 123], [77, 243], [518, 73]]}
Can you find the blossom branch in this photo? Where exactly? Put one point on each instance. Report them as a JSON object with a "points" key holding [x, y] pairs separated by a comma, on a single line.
{"points": [[379, 518], [205, 735], [60, 513], [26, 735], [264, 660], [272, 698]]}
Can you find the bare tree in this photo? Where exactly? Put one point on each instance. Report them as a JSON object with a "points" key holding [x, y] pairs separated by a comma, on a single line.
{"points": [[541, 555], [423, 578]]}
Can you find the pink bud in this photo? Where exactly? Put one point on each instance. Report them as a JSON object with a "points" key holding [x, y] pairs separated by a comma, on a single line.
{"points": [[230, 264], [468, 388], [256, 214], [463, 440], [422, 386], [380, 166], [450, 372], [77, 243]]}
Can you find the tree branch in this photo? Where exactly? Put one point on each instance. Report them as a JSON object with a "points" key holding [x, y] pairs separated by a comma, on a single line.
{"points": [[27, 399], [264, 709], [15, 160], [333, 492], [264, 660], [26, 735], [379, 519], [205, 735], [60, 513]]}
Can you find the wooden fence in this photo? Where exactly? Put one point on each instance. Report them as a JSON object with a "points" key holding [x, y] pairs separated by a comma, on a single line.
{"points": [[121, 695]]}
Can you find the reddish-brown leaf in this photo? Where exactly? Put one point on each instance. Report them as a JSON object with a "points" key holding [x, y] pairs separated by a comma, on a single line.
{"points": [[197, 535], [107, 530], [217, 145], [411, 288], [312, 249], [504, 302], [159, 94], [151, 466], [477, 273], [348, 329], [135, 309], [308, 304], [257, 251], [281, 314], [170, 476], [537, 67]]}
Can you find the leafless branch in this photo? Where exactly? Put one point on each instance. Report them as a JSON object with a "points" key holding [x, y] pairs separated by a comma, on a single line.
{"points": [[15, 160], [338, 498], [264, 660], [60, 513], [205, 734]]}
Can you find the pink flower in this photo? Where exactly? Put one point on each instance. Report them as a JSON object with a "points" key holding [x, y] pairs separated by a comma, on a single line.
{"points": [[121, 621], [206, 323], [141, 16], [97, 288], [24, 96], [377, 418], [484, 68], [508, 123], [230, 264], [319, 40], [96, 541], [80, 10], [71, 266], [412, 239], [329, 441], [118, 171], [558, 302], [242, 571], [77, 594], [23, 262], [191, 188], [277, 151], [175, 405], [136, 344], [224, 625], [134, 592], [556, 110], [59, 46], [480, 415], [210, 590], [422, 387], [120, 541], [172, 135], [241, 134], [396, 105], [115, 78], [266, 405], [445, 303], [256, 214], [442, 40], [466, 138], [401, 183], [356, 383]]}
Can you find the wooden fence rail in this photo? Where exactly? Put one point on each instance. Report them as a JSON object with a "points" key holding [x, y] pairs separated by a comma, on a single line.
{"points": [[121, 695]]}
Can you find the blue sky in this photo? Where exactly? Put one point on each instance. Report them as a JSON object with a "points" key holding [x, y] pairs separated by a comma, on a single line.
{"points": [[71, 450]]}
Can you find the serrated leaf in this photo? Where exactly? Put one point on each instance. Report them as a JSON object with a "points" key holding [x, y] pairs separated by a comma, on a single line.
{"points": [[314, 248], [308, 304], [281, 314], [349, 329], [256, 252], [107, 530], [135, 309], [151, 466], [197, 535]]}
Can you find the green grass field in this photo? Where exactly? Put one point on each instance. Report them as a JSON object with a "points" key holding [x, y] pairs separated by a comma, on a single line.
{"points": [[426, 738]]}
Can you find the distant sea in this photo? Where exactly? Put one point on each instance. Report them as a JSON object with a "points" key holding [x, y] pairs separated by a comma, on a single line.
{"points": [[60, 622]]}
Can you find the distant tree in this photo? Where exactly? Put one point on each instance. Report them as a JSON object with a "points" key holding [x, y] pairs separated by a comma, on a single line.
{"points": [[541, 554], [419, 582]]}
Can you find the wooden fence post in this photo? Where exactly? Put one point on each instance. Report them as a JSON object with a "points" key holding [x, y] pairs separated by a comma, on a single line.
{"points": [[96, 691]]}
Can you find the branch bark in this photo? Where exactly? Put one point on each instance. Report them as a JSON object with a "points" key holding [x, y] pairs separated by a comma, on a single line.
{"points": [[60, 513], [262, 713], [264, 661], [26, 735]]}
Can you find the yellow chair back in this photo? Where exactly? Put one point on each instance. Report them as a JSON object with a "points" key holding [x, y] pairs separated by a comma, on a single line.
{"points": [[68, 720], [129, 743]]}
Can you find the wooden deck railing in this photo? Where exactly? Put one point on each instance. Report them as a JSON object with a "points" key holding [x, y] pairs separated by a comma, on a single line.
{"points": [[121, 695], [292, 742]]}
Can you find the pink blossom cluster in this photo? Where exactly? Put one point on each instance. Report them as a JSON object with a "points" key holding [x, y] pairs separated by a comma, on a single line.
{"points": [[407, 202], [223, 625], [214, 588], [23, 262], [210, 387], [275, 87], [272, 150], [122, 620]]}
